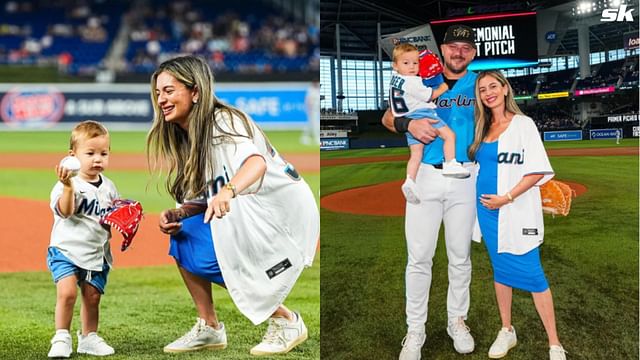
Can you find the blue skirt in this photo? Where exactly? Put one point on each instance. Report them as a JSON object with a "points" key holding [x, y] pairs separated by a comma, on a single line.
{"points": [[193, 249]]}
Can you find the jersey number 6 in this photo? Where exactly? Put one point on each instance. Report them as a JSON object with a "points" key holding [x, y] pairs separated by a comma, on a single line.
{"points": [[397, 101]]}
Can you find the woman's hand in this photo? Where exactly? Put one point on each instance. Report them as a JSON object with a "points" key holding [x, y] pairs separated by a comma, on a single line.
{"points": [[219, 205], [170, 221], [493, 201]]}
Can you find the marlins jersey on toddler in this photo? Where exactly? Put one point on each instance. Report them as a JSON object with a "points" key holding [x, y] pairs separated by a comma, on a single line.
{"points": [[80, 237], [407, 95]]}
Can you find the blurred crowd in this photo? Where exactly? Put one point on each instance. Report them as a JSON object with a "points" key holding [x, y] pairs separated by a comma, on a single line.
{"points": [[230, 40], [248, 36]]}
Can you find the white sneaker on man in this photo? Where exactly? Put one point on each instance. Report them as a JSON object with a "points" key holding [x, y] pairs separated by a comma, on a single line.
{"points": [[506, 340], [557, 352], [454, 169], [410, 191], [61, 346], [282, 335], [93, 344], [461, 335], [412, 346], [201, 336]]}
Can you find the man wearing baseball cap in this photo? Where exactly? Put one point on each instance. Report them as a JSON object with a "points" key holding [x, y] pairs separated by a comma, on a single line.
{"points": [[442, 199]]}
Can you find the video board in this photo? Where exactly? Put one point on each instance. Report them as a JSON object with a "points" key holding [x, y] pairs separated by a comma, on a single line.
{"points": [[502, 40]]}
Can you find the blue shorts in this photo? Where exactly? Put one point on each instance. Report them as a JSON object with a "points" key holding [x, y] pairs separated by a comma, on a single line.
{"points": [[61, 267], [420, 114], [193, 249]]}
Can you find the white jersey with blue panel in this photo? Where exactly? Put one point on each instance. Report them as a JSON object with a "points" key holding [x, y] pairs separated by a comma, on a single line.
{"points": [[455, 107], [272, 230], [408, 96], [80, 237]]}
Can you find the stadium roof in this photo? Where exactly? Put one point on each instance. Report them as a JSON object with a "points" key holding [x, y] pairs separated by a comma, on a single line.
{"points": [[358, 22]]}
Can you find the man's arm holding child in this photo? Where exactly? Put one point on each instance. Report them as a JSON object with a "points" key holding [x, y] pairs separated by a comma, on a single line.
{"points": [[421, 130]]}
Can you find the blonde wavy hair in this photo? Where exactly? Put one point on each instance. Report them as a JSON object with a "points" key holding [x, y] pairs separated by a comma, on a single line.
{"points": [[482, 114], [184, 156]]}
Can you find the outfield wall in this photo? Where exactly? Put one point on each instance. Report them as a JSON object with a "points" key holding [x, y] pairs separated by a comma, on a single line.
{"points": [[274, 106]]}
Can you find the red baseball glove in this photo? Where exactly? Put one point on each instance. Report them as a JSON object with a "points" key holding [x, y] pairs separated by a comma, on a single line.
{"points": [[125, 216], [430, 65], [556, 197]]}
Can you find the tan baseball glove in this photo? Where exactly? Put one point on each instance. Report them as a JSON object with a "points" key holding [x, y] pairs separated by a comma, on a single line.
{"points": [[556, 197]]}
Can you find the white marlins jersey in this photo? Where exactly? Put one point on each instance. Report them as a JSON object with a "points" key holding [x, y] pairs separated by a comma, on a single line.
{"points": [[80, 237], [407, 94], [272, 230]]}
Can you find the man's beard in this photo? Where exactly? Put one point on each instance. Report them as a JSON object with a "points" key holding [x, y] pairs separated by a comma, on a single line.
{"points": [[455, 70]]}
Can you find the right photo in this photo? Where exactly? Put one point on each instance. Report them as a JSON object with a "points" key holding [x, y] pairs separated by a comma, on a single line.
{"points": [[479, 179]]}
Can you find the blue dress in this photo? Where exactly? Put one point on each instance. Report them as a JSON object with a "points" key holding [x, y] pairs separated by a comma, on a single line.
{"points": [[192, 247], [517, 271]]}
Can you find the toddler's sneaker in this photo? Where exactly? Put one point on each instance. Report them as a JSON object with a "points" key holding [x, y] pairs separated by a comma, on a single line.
{"points": [[504, 342], [412, 346], [557, 352], [201, 336], [61, 345], [461, 335], [453, 169], [410, 191], [92, 344], [282, 336]]}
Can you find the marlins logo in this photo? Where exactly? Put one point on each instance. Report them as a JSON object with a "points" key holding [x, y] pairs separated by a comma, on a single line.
{"points": [[461, 32], [511, 158]]}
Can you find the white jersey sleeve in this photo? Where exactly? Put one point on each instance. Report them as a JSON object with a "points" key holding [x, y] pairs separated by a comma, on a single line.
{"points": [[536, 159]]}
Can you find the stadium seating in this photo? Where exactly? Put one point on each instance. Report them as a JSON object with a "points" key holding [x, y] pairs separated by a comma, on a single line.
{"points": [[244, 36]]}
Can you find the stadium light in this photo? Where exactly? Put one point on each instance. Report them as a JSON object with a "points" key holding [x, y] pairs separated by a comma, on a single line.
{"points": [[584, 6]]}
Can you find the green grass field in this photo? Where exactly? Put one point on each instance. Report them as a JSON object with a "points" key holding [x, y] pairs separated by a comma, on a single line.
{"points": [[144, 308], [590, 260]]}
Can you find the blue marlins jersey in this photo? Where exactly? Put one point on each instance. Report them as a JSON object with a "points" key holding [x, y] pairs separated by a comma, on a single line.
{"points": [[456, 108]]}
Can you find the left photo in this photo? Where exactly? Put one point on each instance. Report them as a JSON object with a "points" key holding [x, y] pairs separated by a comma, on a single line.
{"points": [[160, 179]]}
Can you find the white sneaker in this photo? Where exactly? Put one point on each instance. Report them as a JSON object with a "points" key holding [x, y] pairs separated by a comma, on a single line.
{"points": [[461, 335], [557, 352], [410, 191], [93, 344], [201, 336], [412, 346], [453, 169], [504, 342], [61, 345], [281, 336]]}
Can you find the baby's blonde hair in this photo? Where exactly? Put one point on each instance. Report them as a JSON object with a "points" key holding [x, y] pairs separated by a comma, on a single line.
{"points": [[401, 49], [86, 130]]}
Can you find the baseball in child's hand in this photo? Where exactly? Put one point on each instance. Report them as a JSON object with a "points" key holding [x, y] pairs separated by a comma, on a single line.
{"points": [[72, 164]]}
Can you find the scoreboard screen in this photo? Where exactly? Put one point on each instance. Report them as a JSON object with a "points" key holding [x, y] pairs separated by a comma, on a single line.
{"points": [[502, 40]]}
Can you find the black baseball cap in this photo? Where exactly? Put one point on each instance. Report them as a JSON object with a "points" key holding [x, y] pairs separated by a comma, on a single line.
{"points": [[461, 33]]}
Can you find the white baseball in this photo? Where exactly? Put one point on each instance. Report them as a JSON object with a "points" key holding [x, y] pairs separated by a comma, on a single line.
{"points": [[71, 163]]}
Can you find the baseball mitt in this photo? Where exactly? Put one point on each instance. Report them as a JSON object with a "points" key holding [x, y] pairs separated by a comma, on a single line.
{"points": [[430, 65], [125, 215], [556, 197]]}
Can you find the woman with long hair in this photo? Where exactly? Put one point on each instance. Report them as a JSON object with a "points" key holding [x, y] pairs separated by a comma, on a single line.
{"points": [[263, 220], [513, 164]]}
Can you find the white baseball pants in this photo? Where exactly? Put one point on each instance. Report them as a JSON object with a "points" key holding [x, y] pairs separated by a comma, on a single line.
{"points": [[454, 202]]}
